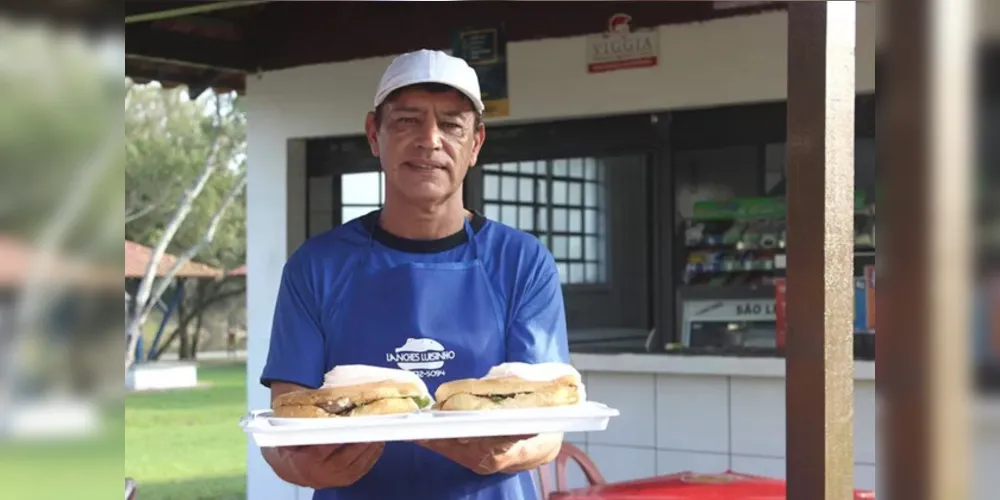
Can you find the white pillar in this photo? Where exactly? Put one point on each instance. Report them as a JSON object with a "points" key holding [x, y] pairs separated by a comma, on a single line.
{"points": [[276, 170]]}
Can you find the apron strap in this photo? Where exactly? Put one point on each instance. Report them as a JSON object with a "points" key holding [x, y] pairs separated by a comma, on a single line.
{"points": [[471, 235]]}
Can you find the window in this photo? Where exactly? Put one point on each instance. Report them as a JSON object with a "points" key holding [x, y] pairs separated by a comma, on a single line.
{"points": [[559, 201], [714, 174], [776, 167], [360, 194]]}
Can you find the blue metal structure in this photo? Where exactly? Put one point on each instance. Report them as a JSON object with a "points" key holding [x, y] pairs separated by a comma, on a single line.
{"points": [[141, 353]]}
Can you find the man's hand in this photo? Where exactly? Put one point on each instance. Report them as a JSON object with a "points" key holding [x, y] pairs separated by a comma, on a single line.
{"points": [[323, 466], [493, 455]]}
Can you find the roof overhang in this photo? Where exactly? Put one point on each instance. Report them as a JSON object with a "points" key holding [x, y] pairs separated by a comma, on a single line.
{"points": [[216, 44]]}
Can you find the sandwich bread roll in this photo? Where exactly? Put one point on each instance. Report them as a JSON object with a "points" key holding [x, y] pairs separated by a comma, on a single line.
{"points": [[356, 390], [514, 385]]}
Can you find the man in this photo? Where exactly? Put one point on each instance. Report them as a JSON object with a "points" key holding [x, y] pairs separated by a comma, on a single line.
{"points": [[422, 273]]}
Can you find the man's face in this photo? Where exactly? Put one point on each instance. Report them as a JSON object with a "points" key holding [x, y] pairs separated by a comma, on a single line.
{"points": [[426, 142]]}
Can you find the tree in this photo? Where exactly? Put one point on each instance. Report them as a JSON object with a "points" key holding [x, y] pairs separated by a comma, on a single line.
{"points": [[168, 139], [60, 148], [185, 179]]}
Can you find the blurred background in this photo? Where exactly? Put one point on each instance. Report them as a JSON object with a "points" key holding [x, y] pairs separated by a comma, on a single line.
{"points": [[61, 145]]}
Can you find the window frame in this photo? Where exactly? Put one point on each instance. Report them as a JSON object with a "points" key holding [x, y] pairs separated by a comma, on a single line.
{"points": [[601, 206], [644, 134], [338, 181]]}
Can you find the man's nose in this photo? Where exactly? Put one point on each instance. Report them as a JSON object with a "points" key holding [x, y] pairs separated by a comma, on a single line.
{"points": [[429, 135]]}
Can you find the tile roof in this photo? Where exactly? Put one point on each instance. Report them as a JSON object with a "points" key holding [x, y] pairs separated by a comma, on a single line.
{"points": [[137, 258], [238, 271], [17, 258]]}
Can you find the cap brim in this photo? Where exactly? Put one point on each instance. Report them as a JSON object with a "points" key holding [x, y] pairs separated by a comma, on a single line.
{"points": [[477, 103]]}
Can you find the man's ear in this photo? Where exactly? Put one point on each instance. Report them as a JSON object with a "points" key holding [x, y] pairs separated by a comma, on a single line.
{"points": [[371, 131], [477, 144]]}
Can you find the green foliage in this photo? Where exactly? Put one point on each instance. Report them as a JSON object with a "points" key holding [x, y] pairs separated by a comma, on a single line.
{"points": [[58, 102], [168, 140]]}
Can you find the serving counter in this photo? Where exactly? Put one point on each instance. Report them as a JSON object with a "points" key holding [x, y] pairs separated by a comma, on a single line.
{"points": [[715, 413]]}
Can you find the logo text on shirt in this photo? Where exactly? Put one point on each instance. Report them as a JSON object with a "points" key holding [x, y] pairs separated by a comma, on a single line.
{"points": [[424, 357]]}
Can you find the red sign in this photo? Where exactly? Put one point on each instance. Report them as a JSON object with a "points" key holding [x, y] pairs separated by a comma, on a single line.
{"points": [[621, 47], [780, 306]]}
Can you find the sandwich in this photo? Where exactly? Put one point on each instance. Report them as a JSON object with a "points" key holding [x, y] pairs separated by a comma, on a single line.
{"points": [[514, 385], [354, 391]]}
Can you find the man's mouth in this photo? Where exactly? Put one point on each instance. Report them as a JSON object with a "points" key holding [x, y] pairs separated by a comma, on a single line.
{"points": [[424, 166]]}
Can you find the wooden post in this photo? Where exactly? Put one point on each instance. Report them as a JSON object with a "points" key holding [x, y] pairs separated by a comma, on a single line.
{"points": [[820, 357], [923, 337]]}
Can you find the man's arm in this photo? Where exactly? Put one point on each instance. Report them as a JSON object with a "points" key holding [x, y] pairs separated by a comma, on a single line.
{"points": [[537, 332], [296, 354], [323, 466], [538, 335], [296, 361], [319, 467]]}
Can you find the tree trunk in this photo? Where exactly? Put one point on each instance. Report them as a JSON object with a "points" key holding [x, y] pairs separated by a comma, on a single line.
{"points": [[182, 350], [182, 332], [197, 333], [206, 290]]}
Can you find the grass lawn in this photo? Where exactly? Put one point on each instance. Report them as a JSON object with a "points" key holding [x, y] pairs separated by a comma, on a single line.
{"points": [[187, 444]]}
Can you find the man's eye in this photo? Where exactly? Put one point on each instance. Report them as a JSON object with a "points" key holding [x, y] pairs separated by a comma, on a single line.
{"points": [[452, 126], [408, 119]]}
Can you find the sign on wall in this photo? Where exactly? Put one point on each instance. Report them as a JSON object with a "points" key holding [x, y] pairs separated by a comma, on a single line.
{"points": [[485, 49], [729, 310], [621, 47]]}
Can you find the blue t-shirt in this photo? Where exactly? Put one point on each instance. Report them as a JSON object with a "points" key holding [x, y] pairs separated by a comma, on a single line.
{"points": [[316, 278]]}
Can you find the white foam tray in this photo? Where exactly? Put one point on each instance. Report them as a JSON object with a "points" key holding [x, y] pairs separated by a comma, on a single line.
{"points": [[268, 431]]}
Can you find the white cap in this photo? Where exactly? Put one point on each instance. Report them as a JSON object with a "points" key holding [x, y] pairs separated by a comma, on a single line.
{"points": [[430, 66]]}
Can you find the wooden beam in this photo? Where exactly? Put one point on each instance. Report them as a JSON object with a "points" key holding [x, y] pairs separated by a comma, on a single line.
{"points": [[820, 360], [171, 75], [925, 375], [197, 8], [140, 40]]}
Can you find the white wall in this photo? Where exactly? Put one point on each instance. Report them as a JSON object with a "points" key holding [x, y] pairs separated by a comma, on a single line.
{"points": [[726, 61], [720, 62]]}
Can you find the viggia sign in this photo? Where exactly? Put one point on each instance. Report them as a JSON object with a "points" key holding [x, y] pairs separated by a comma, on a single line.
{"points": [[621, 47]]}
